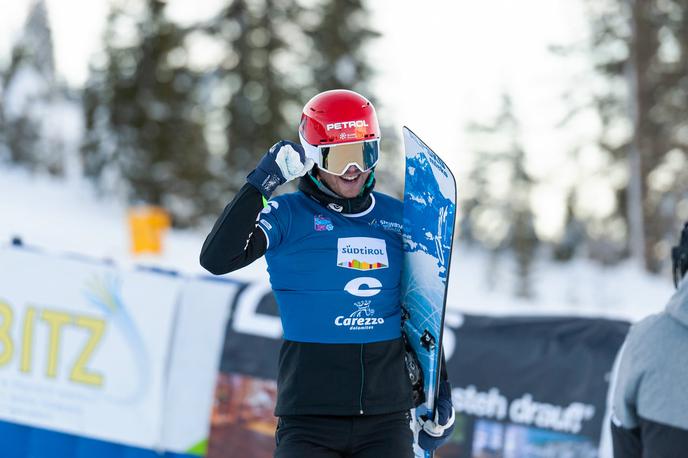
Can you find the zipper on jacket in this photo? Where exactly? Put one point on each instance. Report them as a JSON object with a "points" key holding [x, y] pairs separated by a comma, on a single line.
{"points": [[360, 397]]}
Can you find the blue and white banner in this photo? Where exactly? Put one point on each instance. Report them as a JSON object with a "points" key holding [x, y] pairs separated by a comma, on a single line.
{"points": [[84, 347], [98, 361]]}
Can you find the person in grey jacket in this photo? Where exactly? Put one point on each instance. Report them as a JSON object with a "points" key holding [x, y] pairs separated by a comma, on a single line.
{"points": [[650, 397]]}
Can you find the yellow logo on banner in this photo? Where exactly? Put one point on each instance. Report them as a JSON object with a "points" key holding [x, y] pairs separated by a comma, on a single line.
{"points": [[57, 323]]}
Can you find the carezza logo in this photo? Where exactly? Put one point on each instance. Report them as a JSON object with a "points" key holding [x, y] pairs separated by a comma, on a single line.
{"points": [[347, 125], [361, 319]]}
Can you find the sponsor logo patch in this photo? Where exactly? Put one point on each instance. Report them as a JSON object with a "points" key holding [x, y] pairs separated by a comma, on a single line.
{"points": [[391, 226], [322, 223], [363, 286], [362, 253], [361, 319], [347, 125]]}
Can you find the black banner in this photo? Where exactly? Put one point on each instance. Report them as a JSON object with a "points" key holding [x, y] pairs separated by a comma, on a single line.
{"points": [[522, 386], [531, 384]]}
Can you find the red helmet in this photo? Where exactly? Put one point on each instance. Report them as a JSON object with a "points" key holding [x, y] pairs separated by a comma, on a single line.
{"points": [[338, 117]]}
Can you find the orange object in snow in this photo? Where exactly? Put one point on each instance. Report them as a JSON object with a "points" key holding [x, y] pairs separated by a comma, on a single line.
{"points": [[147, 225]]}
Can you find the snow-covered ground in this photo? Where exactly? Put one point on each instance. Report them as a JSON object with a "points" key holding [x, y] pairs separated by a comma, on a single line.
{"points": [[60, 217]]}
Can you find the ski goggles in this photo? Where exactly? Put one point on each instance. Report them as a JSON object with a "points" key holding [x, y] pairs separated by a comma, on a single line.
{"points": [[336, 159]]}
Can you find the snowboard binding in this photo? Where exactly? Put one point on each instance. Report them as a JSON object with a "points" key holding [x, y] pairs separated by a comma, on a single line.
{"points": [[414, 371], [427, 340]]}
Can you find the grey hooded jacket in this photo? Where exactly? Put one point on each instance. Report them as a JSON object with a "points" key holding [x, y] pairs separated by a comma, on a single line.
{"points": [[650, 400]]}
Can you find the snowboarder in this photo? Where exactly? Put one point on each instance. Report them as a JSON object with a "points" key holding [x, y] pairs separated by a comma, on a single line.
{"points": [[334, 256], [650, 400]]}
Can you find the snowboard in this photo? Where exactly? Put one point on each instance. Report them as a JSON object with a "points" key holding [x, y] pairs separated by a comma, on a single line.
{"points": [[427, 235]]}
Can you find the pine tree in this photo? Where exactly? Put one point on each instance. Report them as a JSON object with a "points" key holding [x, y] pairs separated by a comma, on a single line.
{"points": [[641, 50], [30, 92], [280, 55], [338, 45], [339, 40], [264, 101], [144, 125], [499, 212]]}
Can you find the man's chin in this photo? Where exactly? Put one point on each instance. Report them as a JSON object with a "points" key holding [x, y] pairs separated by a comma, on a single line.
{"points": [[349, 196], [349, 193], [343, 188]]}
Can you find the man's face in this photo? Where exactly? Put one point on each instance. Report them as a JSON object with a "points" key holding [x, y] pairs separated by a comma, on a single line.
{"points": [[348, 185]]}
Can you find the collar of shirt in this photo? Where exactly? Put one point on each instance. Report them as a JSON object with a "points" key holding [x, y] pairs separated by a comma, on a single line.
{"points": [[355, 205]]}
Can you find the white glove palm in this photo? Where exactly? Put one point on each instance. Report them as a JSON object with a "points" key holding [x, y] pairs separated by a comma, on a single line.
{"points": [[284, 162], [291, 163]]}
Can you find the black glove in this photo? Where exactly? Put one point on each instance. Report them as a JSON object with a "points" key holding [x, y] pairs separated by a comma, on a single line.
{"points": [[435, 432]]}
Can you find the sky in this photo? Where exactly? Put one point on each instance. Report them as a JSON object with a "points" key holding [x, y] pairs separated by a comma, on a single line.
{"points": [[439, 65]]}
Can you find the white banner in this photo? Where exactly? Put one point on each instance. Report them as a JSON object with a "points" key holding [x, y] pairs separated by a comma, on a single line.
{"points": [[201, 321], [84, 347]]}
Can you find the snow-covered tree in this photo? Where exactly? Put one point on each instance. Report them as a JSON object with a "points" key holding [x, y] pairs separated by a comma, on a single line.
{"points": [[640, 49], [144, 124], [41, 120], [263, 80], [340, 32], [498, 211], [280, 54]]}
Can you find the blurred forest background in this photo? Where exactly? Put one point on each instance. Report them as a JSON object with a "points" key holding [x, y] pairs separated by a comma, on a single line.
{"points": [[159, 123]]}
